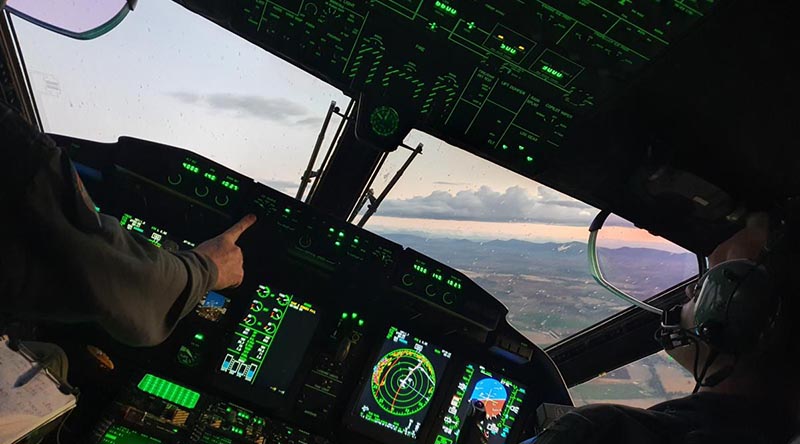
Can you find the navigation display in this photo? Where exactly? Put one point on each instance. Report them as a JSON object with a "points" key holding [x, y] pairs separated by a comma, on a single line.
{"points": [[403, 381], [268, 345], [501, 399]]}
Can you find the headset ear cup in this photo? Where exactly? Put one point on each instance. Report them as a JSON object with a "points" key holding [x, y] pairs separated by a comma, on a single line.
{"points": [[711, 332]]}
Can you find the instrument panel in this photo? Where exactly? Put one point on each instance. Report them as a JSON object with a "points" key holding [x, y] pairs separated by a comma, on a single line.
{"points": [[507, 80], [336, 335]]}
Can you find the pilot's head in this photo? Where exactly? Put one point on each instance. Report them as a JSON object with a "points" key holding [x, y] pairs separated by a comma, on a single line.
{"points": [[745, 244], [734, 316]]}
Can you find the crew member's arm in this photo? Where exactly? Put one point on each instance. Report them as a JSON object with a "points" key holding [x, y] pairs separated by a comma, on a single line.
{"points": [[610, 424], [62, 260]]}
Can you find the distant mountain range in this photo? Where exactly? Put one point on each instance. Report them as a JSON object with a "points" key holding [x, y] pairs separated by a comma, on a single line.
{"points": [[638, 270]]}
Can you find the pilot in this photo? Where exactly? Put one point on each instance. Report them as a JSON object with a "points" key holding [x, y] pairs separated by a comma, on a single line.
{"points": [[62, 260], [733, 334]]}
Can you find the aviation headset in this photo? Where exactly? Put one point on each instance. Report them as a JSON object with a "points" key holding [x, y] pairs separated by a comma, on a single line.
{"points": [[737, 308]]}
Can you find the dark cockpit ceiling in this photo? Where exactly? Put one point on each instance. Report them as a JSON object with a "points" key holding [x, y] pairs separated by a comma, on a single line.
{"points": [[676, 115]]}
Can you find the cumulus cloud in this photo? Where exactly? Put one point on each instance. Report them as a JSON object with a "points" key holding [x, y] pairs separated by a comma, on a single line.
{"points": [[276, 109], [515, 204]]}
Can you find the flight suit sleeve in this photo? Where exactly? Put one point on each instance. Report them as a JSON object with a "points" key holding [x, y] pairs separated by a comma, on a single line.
{"points": [[75, 264], [610, 424]]}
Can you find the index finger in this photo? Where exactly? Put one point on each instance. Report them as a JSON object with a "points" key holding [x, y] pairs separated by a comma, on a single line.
{"points": [[238, 228]]}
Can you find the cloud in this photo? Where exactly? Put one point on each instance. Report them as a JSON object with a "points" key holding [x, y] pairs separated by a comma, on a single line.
{"points": [[276, 109], [309, 121], [440, 182], [486, 205], [280, 184]]}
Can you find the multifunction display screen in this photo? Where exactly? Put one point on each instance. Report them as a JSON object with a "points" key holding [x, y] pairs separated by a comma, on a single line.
{"points": [[398, 394], [268, 344], [499, 397]]}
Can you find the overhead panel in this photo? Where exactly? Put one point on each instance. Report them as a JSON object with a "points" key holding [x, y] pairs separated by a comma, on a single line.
{"points": [[504, 79]]}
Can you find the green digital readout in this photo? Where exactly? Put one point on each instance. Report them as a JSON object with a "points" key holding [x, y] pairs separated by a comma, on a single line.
{"points": [[229, 185], [445, 7], [189, 167], [552, 72], [169, 391], [509, 49], [154, 235], [118, 434], [454, 283]]}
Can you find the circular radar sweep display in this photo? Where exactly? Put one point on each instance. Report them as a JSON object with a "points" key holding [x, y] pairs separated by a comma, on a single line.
{"points": [[403, 382], [384, 121]]}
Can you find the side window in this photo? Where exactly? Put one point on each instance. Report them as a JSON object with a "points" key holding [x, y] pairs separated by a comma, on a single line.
{"points": [[639, 263], [648, 381]]}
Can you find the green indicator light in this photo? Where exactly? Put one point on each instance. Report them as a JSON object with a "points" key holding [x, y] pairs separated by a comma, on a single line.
{"points": [[341, 234], [96, 208], [229, 185], [169, 391], [529, 159], [360, 322], [384, 121], [355, 241], [446, 8], [552, 72], [521, 147], [188, 166], [354, 315], [331, 230], [287, 210], [470, 25], [344, 315], [210, 177], [432, 26], [505, 146], [509, 49], [338, 244], [199, 336]]}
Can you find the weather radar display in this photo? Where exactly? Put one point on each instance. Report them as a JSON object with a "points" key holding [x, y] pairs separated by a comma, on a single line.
{"points": [[401, 386], [501, 399]]}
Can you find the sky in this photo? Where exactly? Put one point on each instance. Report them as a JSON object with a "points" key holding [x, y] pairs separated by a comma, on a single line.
{"points": [[167, 75]]}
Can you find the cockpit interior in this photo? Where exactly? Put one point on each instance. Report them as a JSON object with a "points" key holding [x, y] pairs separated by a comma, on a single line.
{"points": [[457, 201]]}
